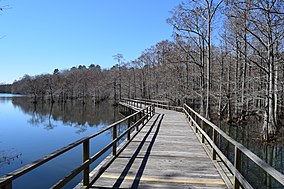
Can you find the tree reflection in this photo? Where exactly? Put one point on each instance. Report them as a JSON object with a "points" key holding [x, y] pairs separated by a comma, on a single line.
{"points": [[72, 113], [272, 153]]}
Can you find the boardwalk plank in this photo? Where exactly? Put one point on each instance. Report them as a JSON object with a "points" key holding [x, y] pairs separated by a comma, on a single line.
{"points": [[170, 156]]}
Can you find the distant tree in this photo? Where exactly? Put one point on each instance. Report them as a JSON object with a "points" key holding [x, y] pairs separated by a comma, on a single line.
{"points": [[119, 58]]}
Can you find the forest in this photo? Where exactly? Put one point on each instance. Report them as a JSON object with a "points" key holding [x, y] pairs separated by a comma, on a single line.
{"points": [[5, 88], [225, 58]]}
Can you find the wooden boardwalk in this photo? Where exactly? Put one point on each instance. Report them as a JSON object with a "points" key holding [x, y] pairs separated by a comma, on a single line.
{"points": [[165, 154]]}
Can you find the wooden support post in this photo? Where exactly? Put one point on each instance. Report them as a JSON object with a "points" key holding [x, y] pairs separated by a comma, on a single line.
{"points": [[143, 119], [140, 121], [214, 137], [147, 111], [128, 126], [86, 156], [237, 164], [114, 135], [202, 127], [7, 186]]}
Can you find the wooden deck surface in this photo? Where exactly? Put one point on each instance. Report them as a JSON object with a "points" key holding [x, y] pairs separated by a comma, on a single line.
{"points": [[165, 154]]}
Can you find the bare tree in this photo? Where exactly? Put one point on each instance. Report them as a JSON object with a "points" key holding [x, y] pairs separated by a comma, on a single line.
{"points": [[194, 20], [262, 22]]}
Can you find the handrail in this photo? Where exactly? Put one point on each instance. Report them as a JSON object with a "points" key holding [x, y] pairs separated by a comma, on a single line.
{"points": [[144, 115], [156, 103], [239, 179]]}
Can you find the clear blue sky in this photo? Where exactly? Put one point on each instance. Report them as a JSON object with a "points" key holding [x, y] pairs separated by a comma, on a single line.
{"points": [[38, 36]]}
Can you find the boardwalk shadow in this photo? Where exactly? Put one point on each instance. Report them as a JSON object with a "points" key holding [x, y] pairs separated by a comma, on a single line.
{"points": [[145, 159], [140, 171]]}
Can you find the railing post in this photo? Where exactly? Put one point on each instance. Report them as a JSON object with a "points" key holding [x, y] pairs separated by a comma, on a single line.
{"points": [[86, 156], [128, 126], [202, 127], [147, 111], [143, 117], [237, 164], [114, 135], [7, 186], [140, 116], [196, 128], [214, 137]]}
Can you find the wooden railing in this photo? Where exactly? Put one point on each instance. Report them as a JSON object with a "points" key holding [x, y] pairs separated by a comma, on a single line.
{"points": [[143, 116], [156, 103], [199, 123]]}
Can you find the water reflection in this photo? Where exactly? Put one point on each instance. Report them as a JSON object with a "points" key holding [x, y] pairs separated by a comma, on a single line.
{"points": [[272, 153], [30, 131], [73, 113]]}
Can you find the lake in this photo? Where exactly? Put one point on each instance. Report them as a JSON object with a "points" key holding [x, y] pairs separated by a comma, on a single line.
{"points": [[30, 131]]}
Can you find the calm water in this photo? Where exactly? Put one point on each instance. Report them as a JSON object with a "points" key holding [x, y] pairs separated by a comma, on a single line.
{"points": [[29, 131], [272, 153]]}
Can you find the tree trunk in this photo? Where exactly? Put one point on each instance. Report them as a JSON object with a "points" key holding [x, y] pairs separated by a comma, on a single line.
{"points": [[229, 93], [244, 76], [220, 86], [237, 74], [269, 125], [202, 77], [208, 83], [134, 83]]}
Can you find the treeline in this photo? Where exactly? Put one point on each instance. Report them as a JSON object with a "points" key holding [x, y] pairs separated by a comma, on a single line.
{"points": [[75, 83], [226, 58], [5, 88]]}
